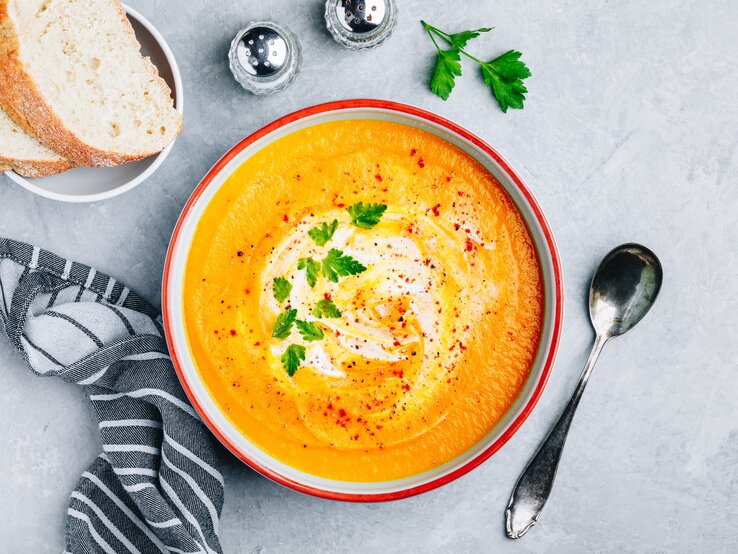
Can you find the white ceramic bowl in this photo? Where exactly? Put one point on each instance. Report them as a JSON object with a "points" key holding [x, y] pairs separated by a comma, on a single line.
{"points": [[90, 184], [172, 301]]}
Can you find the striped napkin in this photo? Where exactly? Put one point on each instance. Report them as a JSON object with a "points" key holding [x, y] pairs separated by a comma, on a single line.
{"points": [[156, 487]]}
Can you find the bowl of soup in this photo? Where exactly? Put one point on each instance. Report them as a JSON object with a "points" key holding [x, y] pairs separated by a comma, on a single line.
{"points": [[362, 300]]}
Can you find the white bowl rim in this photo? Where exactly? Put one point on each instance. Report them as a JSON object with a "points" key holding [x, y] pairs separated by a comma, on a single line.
{"points": [[226, 432], [29, 184]]}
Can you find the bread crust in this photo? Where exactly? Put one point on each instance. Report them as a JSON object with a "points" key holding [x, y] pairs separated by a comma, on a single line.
{"points": [[24, 103], [34, 169]]}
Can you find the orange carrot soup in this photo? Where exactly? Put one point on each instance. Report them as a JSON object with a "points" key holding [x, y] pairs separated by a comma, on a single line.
{"points": [[363, 300]]}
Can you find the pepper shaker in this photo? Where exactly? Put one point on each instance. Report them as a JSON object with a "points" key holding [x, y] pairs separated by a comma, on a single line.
{"points": [[265, 57], [360, 24]]}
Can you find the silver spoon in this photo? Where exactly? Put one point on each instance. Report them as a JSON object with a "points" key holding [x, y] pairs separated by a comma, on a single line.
{"points": [[623, 289]]}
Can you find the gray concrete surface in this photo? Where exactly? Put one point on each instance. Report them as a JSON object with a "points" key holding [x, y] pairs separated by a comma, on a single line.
{"points": [[629, 133]]}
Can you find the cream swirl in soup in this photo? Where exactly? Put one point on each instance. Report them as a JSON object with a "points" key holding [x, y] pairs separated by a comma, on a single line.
{"points": [[403, 313]]}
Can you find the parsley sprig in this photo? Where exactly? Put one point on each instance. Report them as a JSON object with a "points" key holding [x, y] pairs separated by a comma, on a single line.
{"points": [[293, 355], [326, 308], [337, 264], [312, 270], [322, 234], [309, 330], [366, 216], [283, 324], [503, 75], [281, 288]]}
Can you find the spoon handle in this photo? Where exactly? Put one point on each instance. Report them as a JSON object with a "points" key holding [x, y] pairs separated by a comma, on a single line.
{"points": [[534, 485]]}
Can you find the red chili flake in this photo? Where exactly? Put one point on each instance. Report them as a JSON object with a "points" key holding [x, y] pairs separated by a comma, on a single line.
{"points": [[341, 413], [233, 332], [327, 295], [460, 193], [385, 189], [461, 346], [285, 218], [469, 245], [406, 387], [421, 163], [396, 343], [216, 331], [435, 210], [355, 437], [427, 261], [379, 427], [413, 152], [378, 177], [239, 254], [457, 226], [247, 291], [330, 406], [340, 205], [257, 344], [448, 178], [298, 177]]}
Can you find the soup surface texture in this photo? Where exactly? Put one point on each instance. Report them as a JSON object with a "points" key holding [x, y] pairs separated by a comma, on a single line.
{"points": [[363, 300]]}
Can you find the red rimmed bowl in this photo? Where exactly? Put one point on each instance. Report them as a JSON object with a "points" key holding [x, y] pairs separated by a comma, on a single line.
{"points": [[172, 302]]}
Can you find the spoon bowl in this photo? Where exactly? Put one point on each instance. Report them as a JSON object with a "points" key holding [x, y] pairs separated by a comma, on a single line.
{"points": [[623, 289]]}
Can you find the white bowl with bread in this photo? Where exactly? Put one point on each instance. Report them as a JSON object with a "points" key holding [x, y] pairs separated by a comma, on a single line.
{"points": [[90, 106]]}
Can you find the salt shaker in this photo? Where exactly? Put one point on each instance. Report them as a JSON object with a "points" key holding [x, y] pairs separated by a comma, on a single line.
{"points": [[265, 57], [360, 24]]}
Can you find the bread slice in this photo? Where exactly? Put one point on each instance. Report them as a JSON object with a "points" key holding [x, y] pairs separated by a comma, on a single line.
{"points": [[26, 155], [72, 75]]}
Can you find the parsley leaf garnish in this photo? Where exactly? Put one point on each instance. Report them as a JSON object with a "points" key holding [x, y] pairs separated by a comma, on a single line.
{"points": [[448, 66], [366, 216], [292, 357], [322, 234], [312, 270], [459, 40], [337, 264], [326, 308], [281, 288], [283, 325], [309, 331], [504, 74]]}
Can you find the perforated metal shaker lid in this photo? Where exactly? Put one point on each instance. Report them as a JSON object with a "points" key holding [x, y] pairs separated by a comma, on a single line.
{"points": [[265, 57], [361, 24]]}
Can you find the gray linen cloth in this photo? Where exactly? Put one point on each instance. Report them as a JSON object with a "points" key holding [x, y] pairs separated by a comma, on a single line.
{"points": [[156, 487]]}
